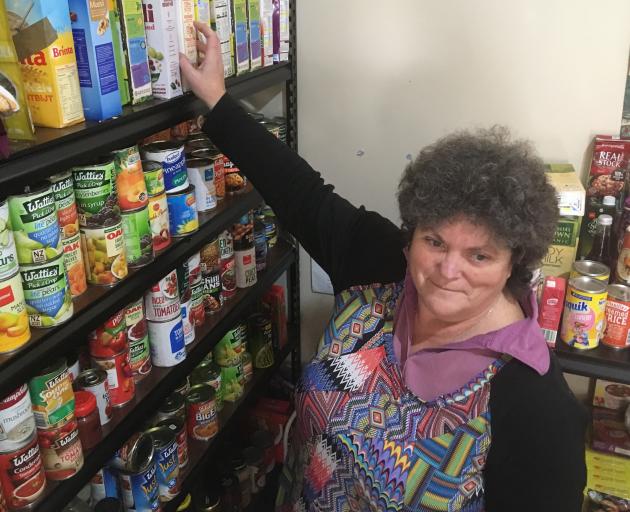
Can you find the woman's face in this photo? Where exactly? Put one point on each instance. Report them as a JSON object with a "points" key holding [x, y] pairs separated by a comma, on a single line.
{"points": [[458, 269]]}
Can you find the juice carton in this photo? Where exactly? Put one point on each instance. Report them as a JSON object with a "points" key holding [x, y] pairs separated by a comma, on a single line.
{"points": [[266, 27], [45, 49], [239, 29], [223, 22], [135, 48], [95, 59], [563, 248], [160, 23], [551, 307], [119, 54], [186, 33], [253, 17]]}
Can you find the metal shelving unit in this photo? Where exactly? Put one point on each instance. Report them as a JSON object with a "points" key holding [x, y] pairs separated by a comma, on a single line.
{"points": [[602, 362]]}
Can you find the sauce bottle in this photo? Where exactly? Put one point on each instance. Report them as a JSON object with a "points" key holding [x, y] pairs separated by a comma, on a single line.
{"points": [[601, 250], [589, 223]]}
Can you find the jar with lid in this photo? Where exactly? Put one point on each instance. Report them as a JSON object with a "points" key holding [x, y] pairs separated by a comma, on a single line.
{"points": [[241, 471], [254, 459], [88, 422]]}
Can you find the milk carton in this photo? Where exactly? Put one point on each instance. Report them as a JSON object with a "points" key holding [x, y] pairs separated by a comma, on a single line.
{"points": [[253, 18], [119, 54], [160, 24], [135, 49], [223, 22], [563, 248], [239, 29], [266, 27]]}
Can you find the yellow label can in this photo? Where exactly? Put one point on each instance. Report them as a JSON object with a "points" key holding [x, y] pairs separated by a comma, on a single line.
{"points": [[14, 325], [584, 308]]}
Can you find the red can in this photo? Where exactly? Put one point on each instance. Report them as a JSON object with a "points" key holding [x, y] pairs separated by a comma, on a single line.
{"points": [[616, 333], [138, 338], [178, 426], [62, 454], [22, 475], [197, 309], [201, 412], [122, 388], [110, 338], [3, 503]]}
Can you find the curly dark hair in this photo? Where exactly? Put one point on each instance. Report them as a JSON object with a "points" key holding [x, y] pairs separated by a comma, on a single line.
{"points": [[491, 180]]}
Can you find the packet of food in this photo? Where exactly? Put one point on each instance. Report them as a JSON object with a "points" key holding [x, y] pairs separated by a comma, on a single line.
{"points": [[135, 49], [607, 176]]}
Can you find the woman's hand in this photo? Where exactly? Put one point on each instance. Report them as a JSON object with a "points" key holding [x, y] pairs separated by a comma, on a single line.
{"points": [[205, 80]]}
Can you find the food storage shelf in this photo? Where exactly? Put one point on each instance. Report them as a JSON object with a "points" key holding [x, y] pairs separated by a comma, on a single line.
{"points": [[162, 381], [601, 362], [57, 149]]}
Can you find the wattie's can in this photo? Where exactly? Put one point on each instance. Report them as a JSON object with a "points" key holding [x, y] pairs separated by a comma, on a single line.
{"points": [[588, 268], [51, 395], [170, 155], [197, 310], [134, 455], [110, 338], [201, 176], [14, 321], [161, 301], [75, 265], [138, 237], [130, 185], [103, 484], [194, 268], [17, 422], [188, 322], [182, 212], [94, 380], [67, 215], [178, 427], [95, 193], [62, 454], [583, 318], [153, 177], [139, 491], [138, 337], [165, 448], [201, 413], [22, 476], [168, 347], [8, 252], [122, 387], [617, 330], [159, 222], [212, 292]]}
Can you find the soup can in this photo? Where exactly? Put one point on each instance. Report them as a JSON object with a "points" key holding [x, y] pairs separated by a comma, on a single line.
{"points": [[139, 491], [51, 395], [197, 310], [182, 212], [105, 249], [183, 279], [122, 388], [201, 176], [153, 177], [159, 221], [138, 237], [109, 338], [212, 292], [617, 331], [75, 265], [95, 192], [235, 181], [62, 454], [138, 336], [14, 319], [245, 267], [134, 455], [188, 322], [17, 422], [173, 406], [201, 413], [232, 382], [161, 301], [219, 169], [167, 343], [22, 475], [94, 380], [130, 185], [588, 268], [178, 427], [165, 449], [583, 318], [210, 256], [65, 202], [103, 484], [8, 252], [170, 155]]}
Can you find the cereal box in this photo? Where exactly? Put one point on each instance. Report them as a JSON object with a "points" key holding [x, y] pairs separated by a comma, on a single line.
{"points": [[135, 48], [43, 42], [563, 248], [119, 54], [186, 33], [203, 14], [223, 22], [266, 28], [253, 18], [239, 29], [92, 36]]}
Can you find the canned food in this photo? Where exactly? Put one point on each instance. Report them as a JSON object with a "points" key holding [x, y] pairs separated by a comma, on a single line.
{"points": [[589, 268], [103, 484], [212, 292], [110, 338], [171, 155], [172, 407], [197, 311], [188, 322], [67, 215], [209, 373], [245, 266], [153, 177], [182, 212], [105, 249], [261, 341], [22, 475], [8, 252], [183, 281], [134, 455], [248, 366], [52, 396], [138, 237], [139, 491], [183, 387], [235, 181], [122, 387], [201, 176], [167, 342], [62, 454], [165, 448], [271, 230], [161, 301], [72, 361], [228, 272], [210, 257], [17, 422], [130, 186], [617, 330], [201, 412], [138, 336], [33, 219], [260, 244], [583, 318], [232, 382], [95, 381], [194, 269], [227, 352], [14, 321], [217, 160], [75, 266], [95, 193], [159, 222], [177, 425]]}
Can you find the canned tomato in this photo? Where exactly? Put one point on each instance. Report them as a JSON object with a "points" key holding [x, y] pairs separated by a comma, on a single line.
{"points": [[95, 193], [103, 484], [210, 257], [188, 322], [139, 491], [8, 252], [159, 221], [209, 373], [33, 219], [171, 155], [201, 412], [182, 212], [153, 177], [161, 301], [617, 331], [14, 322], [22, 475], [165, 449], [197, 311], [75, 266], [105, 249], [138, 237], [94, 380], [134, 455], [583, 318], [130, 186], [17, 422], [228, 272], [167, 342], [212, 292], [201, 176], [138, 337], [67, 216], [122, 388], [51, 395], [46, 293], [172, 407], [62, 454], [589, 268], [110, 338], [217, 160], [177, 425]]}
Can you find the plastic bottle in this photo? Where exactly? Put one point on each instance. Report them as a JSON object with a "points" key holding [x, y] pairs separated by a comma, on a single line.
{"points": [[589, 223], [601, 250]]}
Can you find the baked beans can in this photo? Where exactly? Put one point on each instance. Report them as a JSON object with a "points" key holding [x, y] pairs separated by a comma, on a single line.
{"points": [[139, 491], [22, 475], [153, 177], [188, 322], [94, 380], [210, 257], [46, 293], [171, 155], [168, 347], [62, 454], [159, 221], [75, 266], [218, 167], [201, 176], [106, 262], [138, 237], [33, 219], [14, 320], [194, 268], [8, 252], [165, 449], [110, 338], [173, 406], [177, 425], [122, 388], [103, 484], [182, 212], [134, 455], [201, 413], [95, 193], [161, 301], [212, 292], [588, 268], [138, 337], [583, 318], [131, 188], [228, 272], [65, 202], [52, 396], [17, 422], [617, 330], [197, 310]]}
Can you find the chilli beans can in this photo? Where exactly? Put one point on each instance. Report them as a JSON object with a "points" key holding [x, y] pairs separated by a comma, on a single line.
{"points": [[178, 427], [122, 387], [168, 347], [94, 380], [197, 310], [139, 491], [138, 337], [617, 331], [201, 412], [62, 454], [130, 185], [17, 422], [65, 202], [14, 320], [153, 177], [161, 301], [22, 475], [170, 155], [110, 338], [583, 318], [159, 222], [51, 395], [212, 292], [165, 449], [182, 212]]}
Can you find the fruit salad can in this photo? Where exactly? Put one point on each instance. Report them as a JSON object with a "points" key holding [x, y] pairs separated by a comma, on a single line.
{"points": [[168, 347], [75, 265], [197, 310], [583, 318], [188, 322], [161, 301], [139, 491], [22, 475], [33, 219], [138, 337], [122, 388], [110, 338], [8, 252], [212, 292], [17, 422], [201, 176], [95, 192], [159, 221], [131, 188], [588, 268], [14, 320], [94, 380], [201, 413], [62, 454], [182, 212], [106, 262], [617, 330], [103, 484], [47, 294], [138, 237], [134, 455], [153, 177], [232, 382], [165, 449], [177, 425], [171, 155], [65, 202], [52, 396]]}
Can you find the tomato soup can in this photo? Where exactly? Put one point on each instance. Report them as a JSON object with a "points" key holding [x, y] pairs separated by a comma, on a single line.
{"points": [[171, 155], [33, 219], [95, 192], [8, 252], [62, 454], [201, 413], [201, 176], [22, 475], [217, 160], [138, 337], [138, 237], [177, 425], [134, 455], [168, 347], [94, 380], [182, 212], [617, 331], [139, 491], [17, 422], [110, 338], [583, 318], [51, 395], [188, 322], [165, 449], [131, 188], [103, 484], [161, 301], [14, 320], [75, 265], [588, 268], [106, 262], [173, 406], [122, 388], [212, 292], [197, 310], [160, 222], [65, 202], [153, 177]]}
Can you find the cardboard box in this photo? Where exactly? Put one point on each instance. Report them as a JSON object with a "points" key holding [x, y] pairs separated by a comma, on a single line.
{"points": [[563, 248], [119, 54], [135, 49], [609, 432], [569, 188], [223, 23], [186, 33], [239, 31], [608, 473], [611, 395], [266, 28], [284, 30], [254, 30]]}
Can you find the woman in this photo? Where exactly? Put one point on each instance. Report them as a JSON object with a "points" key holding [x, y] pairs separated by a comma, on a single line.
{"points": [[432, 388]]}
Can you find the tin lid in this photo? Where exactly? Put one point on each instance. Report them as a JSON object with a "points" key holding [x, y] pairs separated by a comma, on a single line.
{"points": [[175, 424], [172, 403], [141, 451], [205, 373], [200, 393], [91, 377], [57, 365], [84, 403], [160, 437], [150, 165], [162, 145], [206, 500], [619, 291], [196, 162], [591, 268], [588, 284], [238, 463]]}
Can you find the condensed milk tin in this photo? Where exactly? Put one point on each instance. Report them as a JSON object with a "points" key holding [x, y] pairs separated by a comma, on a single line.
{"points": [[14, 325], [616, 333], [17, 422], [583, 317], [52, 395], [8, 253], [161, 301], [171, 155], [168, 347], [588, 268]]}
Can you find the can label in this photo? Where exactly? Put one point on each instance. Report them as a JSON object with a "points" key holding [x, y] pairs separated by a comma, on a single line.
{"points": [[227, 352], [154, 178], [103, 485], [246, 275], [582, 321], [232, 380], [95, 194], [46, 292], [75, 266], [161, 302], [138, 237], [52, 397], [219, 176], [183, 280], [106, 259], [138, 336], [110, 338], [140, 490], [202, 178], [168, 347], [130, 185], [96, 382], [8, 252], [616, 333], [67, 215], [173, 165], [178, 427], [197, 311], [182, 212], [17, 422], [122, 388], [167, 471], [194, 269], [235, 182], [159, 222], [62, 454], [202, 420], [22, 475], [187, 323], [212, 292], [14, 322]]}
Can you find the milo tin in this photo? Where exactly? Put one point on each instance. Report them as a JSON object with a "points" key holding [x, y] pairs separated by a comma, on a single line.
{"points": [[134, 455], [138, 336], [47, 294], [201, 413], [159, 221], [52, 396], [188, 322], [226, 262], [14, 320], [153, 177], [75, 265], [165, 449], [197, 311], [17, 422], [201, 176], [67, 215], [139, 491], [171, 155], [62, 453], [138, 237], [212, 292], [33, 219], [8, 252], [617, 330], [106, 262], [177, 425], [168, 347], [95, 381], [95, 193], [130, 185], [589, 268], [161, 301], [583, 317], [182, 212], [22, 476], [173, 406]]}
